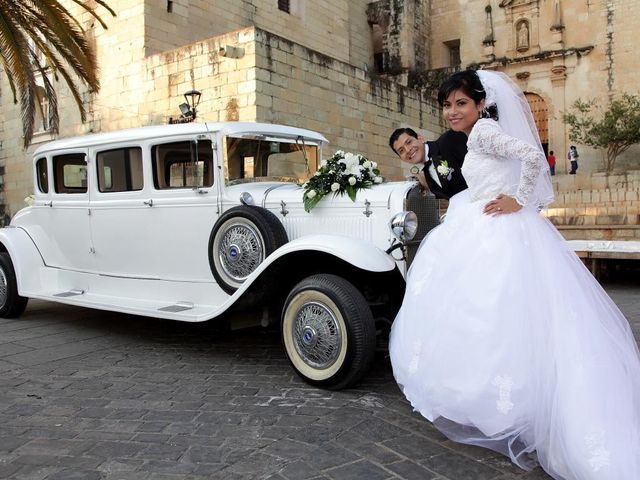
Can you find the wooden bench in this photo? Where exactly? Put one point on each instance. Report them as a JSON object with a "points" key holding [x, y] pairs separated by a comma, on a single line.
{"points": [[595, 252]]}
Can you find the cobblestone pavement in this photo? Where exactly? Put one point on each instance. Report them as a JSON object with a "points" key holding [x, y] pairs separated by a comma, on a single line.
{"points": [[94, 395]]}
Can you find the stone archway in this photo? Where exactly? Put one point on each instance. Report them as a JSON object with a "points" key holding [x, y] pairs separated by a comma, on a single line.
{"points": [[541, 117]]}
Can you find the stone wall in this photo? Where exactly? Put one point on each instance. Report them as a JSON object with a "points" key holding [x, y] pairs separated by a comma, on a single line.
{"points": [[597, 206], [356, 111], [328, 26]]}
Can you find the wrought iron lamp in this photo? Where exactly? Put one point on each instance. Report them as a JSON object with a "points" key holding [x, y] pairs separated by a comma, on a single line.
{"points": [[188, 109]]}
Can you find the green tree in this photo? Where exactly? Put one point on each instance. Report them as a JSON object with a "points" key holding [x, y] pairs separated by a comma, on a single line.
{"points": [[42, 36], [613, 129]]}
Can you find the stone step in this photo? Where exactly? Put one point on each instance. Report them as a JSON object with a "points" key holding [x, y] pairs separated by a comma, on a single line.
{"points": [[600, 232], [596, 196], [594, 216]]}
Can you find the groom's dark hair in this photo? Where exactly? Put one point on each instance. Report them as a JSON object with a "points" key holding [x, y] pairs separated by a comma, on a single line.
{"points": [[396, 134]]}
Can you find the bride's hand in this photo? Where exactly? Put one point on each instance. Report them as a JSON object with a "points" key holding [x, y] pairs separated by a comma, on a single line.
{"points": [[502, 204]]}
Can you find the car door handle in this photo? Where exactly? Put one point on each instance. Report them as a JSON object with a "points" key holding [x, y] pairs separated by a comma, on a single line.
{"points": [[149, 202]]}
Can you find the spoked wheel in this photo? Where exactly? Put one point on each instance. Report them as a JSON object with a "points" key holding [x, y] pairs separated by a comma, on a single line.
{"points": [[11, 304], [240, 241], [328, 331]]}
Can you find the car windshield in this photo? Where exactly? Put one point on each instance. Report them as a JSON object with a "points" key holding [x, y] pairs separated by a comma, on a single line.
{"points": [[258, 158]]}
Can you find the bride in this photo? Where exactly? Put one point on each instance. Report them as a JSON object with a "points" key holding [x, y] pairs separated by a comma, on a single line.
{"points": [[504, 339]]}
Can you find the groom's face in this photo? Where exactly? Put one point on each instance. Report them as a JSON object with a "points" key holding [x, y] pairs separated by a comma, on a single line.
{"points": [[410, 149]]}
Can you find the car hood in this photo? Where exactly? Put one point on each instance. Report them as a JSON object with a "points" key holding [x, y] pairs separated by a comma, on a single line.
{"points": [[268, 194]]}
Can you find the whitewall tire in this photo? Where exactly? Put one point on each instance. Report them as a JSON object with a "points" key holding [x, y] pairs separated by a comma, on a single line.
{"points": [[328, 331]]}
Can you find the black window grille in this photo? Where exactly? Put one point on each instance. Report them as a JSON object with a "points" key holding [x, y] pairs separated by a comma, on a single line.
{"points": [[284, 5]]}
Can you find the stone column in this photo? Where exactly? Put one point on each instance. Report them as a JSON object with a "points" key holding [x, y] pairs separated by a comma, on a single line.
{"points": [[558, 143]]}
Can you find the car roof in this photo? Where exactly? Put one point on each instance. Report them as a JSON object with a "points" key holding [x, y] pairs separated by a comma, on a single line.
{"points": [[164, 131]]}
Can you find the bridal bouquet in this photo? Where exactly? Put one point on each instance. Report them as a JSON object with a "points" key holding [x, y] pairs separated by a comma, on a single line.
{"points": [[343, 173]]}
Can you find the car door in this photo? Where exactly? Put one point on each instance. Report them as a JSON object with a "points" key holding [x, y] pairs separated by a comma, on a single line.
{"points": [[61, 229], [154, 208]]}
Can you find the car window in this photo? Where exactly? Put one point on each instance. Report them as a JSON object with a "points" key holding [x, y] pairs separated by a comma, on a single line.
{"points": [[120, 170], [268, 159], [70, 173], [43, 175], [185, 164]]}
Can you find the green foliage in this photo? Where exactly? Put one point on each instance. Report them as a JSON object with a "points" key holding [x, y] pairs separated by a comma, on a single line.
{"points": [[32, 28], [612, 129]]}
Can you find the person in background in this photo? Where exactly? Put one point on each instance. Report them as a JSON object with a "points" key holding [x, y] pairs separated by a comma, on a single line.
{"points": [[572, 156], [552, 163]]}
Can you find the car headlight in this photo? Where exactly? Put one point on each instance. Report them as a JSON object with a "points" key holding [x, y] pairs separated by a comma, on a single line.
{"points": [[246, 198], [404, 225]]}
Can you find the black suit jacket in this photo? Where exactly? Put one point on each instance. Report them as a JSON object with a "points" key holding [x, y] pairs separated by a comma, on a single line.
{"points": [[452, 147]]}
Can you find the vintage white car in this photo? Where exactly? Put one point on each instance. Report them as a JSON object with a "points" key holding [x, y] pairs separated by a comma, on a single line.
{"points": [[192, 221]]}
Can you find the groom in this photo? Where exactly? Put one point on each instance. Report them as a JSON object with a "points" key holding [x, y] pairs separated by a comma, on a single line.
{"points": [[441, 160]]}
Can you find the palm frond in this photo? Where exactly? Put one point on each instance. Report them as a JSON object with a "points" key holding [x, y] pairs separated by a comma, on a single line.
{"points": [[61, 39], [92, 11], [17, 61]]}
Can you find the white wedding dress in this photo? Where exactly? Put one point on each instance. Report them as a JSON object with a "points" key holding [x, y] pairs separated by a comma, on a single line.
{"points": [[504, 338]]}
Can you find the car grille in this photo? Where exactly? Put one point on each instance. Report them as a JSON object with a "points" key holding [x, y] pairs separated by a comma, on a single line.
{"points": [[427, 209]]}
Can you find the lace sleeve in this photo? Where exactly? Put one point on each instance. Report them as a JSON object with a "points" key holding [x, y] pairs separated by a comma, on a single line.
{"points": [[487, 137]]}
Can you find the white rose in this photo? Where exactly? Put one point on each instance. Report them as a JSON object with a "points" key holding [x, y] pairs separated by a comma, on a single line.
{"points": [[335, 187], [443, 170], [323, 163], [374, 165], [367, 164], [377, 180], [352, 180], [311, 193]]}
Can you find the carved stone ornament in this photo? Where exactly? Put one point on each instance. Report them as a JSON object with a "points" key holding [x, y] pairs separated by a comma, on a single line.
{"points": [[522, 36]]}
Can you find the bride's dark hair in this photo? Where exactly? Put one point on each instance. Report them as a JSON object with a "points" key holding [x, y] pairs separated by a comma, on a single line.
{"points": [[469, 82]]}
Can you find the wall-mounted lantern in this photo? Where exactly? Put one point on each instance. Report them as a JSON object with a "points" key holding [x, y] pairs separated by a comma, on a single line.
{"points": [[188, 109]]}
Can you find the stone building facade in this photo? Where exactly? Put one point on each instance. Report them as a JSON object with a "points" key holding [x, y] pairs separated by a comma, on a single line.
{"points": [[352, 70]]}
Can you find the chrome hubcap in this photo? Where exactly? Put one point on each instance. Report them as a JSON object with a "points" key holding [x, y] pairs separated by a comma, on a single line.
{"points": [[240, 251], [317, 336]]}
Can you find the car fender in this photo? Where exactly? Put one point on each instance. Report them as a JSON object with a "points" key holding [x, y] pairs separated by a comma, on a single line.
{"points": [[24, 256], [360, 254]]}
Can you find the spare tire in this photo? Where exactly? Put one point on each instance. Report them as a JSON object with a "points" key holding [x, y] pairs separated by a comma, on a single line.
{"points": [[239, 242]]}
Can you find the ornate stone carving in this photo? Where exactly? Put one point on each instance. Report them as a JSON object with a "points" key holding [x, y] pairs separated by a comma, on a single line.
{"points": [[522, 36]]}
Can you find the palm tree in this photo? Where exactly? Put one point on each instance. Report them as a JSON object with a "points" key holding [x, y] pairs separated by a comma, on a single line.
{"points": [[36, 35]]}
